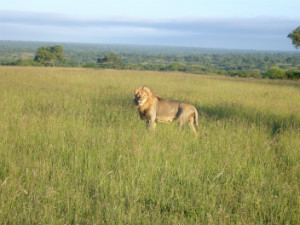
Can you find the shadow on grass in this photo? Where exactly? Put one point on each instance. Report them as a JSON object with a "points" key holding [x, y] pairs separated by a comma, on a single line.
{"points": [[274, 121]]}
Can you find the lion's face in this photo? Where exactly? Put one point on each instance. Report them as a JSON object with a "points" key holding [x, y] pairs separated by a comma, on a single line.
{"points": [[141, 96]]}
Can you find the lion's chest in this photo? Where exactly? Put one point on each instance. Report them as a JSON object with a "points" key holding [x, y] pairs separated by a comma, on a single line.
{"points": [[145, 115]]}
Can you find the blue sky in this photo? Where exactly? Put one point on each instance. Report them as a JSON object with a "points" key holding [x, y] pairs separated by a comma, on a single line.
{"points": [[230, 24]]}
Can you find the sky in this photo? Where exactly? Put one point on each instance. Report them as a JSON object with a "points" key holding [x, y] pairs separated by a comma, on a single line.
{"points": [[230, 24]]}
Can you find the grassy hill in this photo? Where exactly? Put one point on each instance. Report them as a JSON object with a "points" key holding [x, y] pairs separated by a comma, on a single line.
{"points": [[74, 151]]}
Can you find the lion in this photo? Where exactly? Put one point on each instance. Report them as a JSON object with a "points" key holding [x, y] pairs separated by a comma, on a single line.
{"points": [[154, 109]]}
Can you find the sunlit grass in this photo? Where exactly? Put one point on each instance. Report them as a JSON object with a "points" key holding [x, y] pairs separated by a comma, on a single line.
{"points": [[74, 151]]}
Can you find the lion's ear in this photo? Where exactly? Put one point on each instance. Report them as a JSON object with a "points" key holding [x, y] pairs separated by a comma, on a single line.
{"points": [[147, 90], [136, 91]]}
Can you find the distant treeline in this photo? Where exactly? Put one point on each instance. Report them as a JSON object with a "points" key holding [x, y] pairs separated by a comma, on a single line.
{"points": [[274, 65]]}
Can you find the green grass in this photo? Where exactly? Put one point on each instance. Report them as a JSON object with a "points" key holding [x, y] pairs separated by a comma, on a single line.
{"points": [[74, 151]]}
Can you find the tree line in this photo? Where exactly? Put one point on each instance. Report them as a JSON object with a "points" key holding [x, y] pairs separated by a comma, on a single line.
{"points": [[256, 65]]}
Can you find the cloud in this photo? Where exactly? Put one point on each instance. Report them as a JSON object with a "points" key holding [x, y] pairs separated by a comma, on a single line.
{"points": [[259, 33]]}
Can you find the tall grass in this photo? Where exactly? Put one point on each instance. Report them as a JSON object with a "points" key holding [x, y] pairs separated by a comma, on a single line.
{"points": [[74, 151]]}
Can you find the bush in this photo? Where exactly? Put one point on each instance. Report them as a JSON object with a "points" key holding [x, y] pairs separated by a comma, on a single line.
{"points": [[255, 74], [293, 75], [21, 62], [275, 73], [90, 65]]}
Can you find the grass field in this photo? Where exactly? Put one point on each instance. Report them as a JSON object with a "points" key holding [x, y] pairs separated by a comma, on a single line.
{"points": [[74, 151]]}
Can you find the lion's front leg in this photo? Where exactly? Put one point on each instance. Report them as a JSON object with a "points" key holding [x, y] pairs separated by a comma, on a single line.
{"points": [[150, 125], [151, 120]]}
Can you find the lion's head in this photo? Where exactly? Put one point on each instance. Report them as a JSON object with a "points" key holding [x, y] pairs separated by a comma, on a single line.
{"points": [[143, 95]]}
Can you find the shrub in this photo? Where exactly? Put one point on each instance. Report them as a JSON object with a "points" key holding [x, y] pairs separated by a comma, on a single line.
{"points": [[293, 75], [275, 73]]}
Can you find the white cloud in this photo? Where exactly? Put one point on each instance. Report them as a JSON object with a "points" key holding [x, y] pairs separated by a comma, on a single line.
{"points": [[246, 33]]}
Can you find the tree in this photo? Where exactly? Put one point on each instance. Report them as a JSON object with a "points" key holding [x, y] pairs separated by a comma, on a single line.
{"points": [[295, 36], [58, 52], [111, 61], [48, 55]]}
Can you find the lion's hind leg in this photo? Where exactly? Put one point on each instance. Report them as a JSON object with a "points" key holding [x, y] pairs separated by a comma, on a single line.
{"points": [[181, 123], [192, 125]]}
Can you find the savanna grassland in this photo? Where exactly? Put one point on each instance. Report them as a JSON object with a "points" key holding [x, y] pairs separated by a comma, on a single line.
{"points": [[74, 151]]}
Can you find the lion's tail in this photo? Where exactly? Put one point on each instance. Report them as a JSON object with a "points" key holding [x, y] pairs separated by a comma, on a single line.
{"points": [[196, 117]]}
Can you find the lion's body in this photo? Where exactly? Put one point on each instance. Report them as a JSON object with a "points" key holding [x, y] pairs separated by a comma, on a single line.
{"points": [[154, 109]]}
